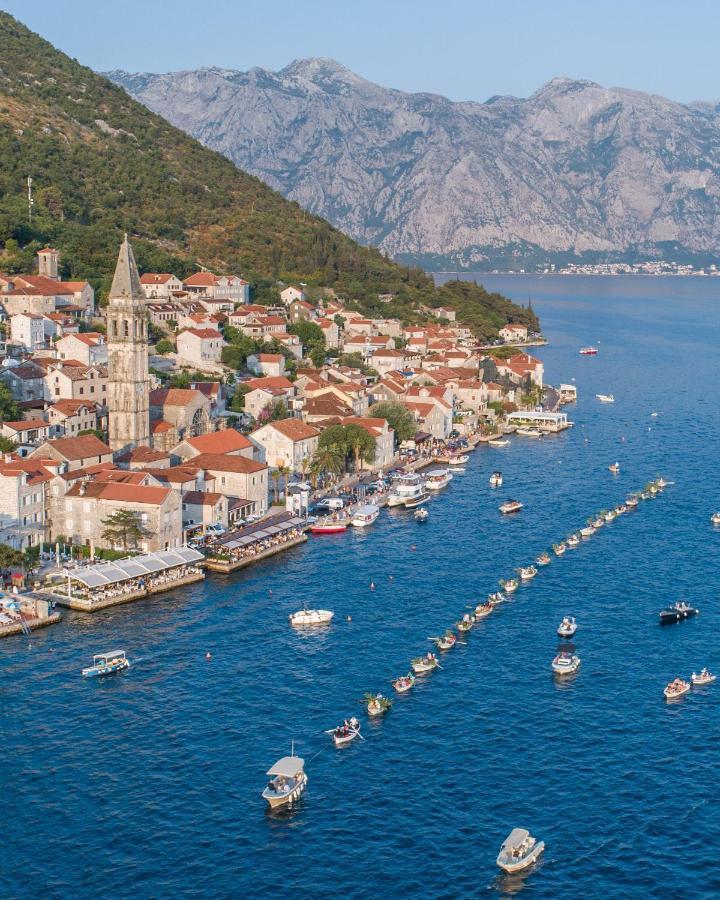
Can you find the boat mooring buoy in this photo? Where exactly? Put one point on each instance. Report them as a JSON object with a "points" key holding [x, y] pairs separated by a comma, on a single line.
{"points": [[208, 656], [372, 585], [349, 618]]}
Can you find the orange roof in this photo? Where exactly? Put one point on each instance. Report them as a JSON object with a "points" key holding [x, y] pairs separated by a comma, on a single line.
{"points": [[294, 429], [79, 447], [173, 396], [160, 427], [155, 278], [200, 279], [202, 498], [26, 424], [271, 381], [71, 407], [224, 463], [270, 357], [225, 441], [204, 333], [123, 493]]}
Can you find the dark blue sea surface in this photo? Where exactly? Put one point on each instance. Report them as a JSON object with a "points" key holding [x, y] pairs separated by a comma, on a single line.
{"points": [[149, 783]]}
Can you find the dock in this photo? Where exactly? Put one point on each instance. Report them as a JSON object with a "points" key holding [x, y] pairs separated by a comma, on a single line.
{"points": [[95, 603], [239, 549], [28, 624]]}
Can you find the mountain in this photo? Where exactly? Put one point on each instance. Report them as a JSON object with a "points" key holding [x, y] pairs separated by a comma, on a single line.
{"points": [[102, 164], [576, 171]]}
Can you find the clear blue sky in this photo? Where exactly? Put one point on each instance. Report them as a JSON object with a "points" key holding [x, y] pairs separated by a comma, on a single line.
{"points": [[464, 49]]}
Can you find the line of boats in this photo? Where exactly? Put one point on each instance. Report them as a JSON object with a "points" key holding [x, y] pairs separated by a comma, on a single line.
{"points": [[678, 687]]}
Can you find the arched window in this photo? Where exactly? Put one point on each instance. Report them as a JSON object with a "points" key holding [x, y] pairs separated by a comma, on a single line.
{"points": [[126, 328]]}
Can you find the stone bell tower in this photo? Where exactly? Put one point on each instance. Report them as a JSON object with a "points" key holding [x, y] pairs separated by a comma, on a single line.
{"points": [[128, 390]]}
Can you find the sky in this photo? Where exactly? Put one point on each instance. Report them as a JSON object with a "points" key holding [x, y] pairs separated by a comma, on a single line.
{"points": [[463, 49]]}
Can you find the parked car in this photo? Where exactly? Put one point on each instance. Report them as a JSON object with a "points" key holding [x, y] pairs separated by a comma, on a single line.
{"points": [[215, 529]]}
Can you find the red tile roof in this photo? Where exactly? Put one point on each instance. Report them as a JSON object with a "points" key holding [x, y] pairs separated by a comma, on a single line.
{"points": [[225, 441], [294, 429], [123, 493], [223, 463], [81, 447]]}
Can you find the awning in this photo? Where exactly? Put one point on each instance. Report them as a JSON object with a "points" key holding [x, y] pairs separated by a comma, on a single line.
{"points": [[132, 567]]}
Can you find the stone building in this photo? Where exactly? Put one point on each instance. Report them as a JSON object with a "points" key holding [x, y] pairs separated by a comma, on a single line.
{"points": [[128, 389]]}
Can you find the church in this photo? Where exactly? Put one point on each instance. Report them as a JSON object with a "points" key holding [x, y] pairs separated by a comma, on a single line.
{"points": [[139, 416]]}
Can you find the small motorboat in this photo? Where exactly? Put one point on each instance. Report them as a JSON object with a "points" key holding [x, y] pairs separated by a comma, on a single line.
{"points": [[438, 479], [572, 541], [610, 516], [614, 468], [529, 432], [519, 850], [715, 518], [499, 442], [632, 501], [544, 559], [705, 677], [565, 663], [678, 612], [421, 515], [588, 351], [422, 665], [510, 506], [365, 515], [527, 573], [328, 528], [677, 688], [496, 479], [459, 470], [497, 597], [457, 460], [568, 627], [404, 683], [311, 617], [509, 586], [661, 482], [288, 781], [605, 398], [587, 531], [107, 664], [559, 549], [377, 704], [483, 609], [446, 642], [345, 733], [466, 623]]}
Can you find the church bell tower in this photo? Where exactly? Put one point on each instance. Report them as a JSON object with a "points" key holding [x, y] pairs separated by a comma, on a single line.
{"points": [[128, 390]]}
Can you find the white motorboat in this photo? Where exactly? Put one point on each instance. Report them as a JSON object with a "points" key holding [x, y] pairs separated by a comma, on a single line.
{"points": [[705, 677], [676, 689], [438, 479], [365, 515], [107, 664], [288, 781], [614, 468], [527, 573], [565, 663], [496, 479], [408, 491], [345, 733], [459, 470], [310, 617], [587, 531], [588, 351], [510, 506], [519, 850], [499, 442], [457, 460], [421, 515], [529, 432], [568, 627], [605, 398], [610, 516], [715, 518], [573, 540]]}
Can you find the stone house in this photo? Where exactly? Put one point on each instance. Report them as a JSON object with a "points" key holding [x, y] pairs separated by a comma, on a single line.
{"points": [[291, 294], [203, 508], [226, 441], [270, 364], [28, 331], [68, 417], [72, 382], [288, 442], [89, 348], [235, 476], [26, 381], [384, 439], [76, 452], [200, 346], [160, 285]]}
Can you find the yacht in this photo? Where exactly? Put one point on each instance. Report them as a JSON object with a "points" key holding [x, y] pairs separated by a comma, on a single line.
{"points": [[529, 432], [705, 677], [499, 442], [605, 398], [568, 627], [365, 515], [588, 351], [677, 688], [496, 479], [107, 664], [510, 506], [459, 460], [565, 663], [309, 617], [408, 491], [678, 612], [288, 781], [438, 479], [519, 850]]}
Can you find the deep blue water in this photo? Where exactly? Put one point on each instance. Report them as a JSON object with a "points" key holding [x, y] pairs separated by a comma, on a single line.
{"points": [[149, 782]]}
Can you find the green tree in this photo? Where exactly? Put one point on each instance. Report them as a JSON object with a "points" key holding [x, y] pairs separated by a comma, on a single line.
{"points": [[328, 461], [398, 417], [10, 558], [273, 412], [164, 346], [9, 410], [124, 527], [7, 446], [237, 404], [361, 444]]}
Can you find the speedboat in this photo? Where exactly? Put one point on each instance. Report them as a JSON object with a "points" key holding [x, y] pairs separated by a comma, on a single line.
{"points": [[328, 527], [305, 617], [568, 627], [510, 506], [288, 781], [529, 432], [565, 663], [614, 468], [715, 518], [421, 665], [605, 398], [543, 560], [446, 642], [438, 479], [404, 683], [559, 549], [678, 612], [509, 586], [527, 573], [466, 623], [499, 442], [408, 491], [483, 609], [519, 850], [457, 460], [421, 515], [377, 704], [365, 515], [345, 733], [107, 664], [588, 351], [676, 689], [705, 677], [496, 479], [573, 540]]}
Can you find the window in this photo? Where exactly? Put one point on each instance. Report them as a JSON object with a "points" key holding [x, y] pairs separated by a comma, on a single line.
{"points": [[126, 328], [114, 328]]}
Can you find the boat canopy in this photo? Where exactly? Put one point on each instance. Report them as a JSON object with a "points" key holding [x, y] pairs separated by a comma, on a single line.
{"points": [[133, 567], [367, 509], [111, 654], [516, 836], [288, 766]]}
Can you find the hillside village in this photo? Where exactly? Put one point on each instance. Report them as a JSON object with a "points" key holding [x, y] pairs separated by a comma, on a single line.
{"points": [[190, 408]]}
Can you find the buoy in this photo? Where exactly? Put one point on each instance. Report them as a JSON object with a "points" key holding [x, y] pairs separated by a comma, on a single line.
{"points": [[270, 591], [208, 656], [413, 547], [349, 618], [372, 585], [392, 578]]}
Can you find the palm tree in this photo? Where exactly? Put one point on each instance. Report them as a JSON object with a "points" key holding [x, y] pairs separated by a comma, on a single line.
{"points": [[275, 475], [361, 443], [328, 460]]}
